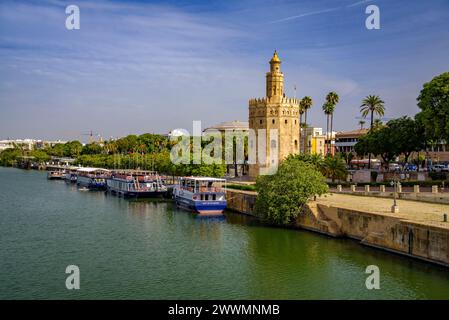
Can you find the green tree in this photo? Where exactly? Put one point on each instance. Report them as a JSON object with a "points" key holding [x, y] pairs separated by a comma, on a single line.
{"points": [[9, 156], [304, 105], [372, 105], [334, 168], [361, 123], [328, 109], [282, 196], [92, 148], [434, 104], [407, 135], [40, 156], [332, 99]]}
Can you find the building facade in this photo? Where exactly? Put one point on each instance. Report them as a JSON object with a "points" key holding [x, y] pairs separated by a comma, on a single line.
{"points": [[315, 140], [274, 120], [346, 140]]}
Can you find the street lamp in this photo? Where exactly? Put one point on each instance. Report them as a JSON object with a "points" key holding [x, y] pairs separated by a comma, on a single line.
{"points": [[394, 183]]}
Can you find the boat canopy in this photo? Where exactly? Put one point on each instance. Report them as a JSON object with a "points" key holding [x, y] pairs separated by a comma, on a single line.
{"points": [[92, 170], [204, 179]]}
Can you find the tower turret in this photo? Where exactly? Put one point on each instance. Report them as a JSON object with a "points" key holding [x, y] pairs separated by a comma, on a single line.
{"points": [[275, 79]]}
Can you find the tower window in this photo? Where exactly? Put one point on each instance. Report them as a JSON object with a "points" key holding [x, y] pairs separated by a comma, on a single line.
{"points": [[272, 121], [295, 121], [260, 121], [296, 143], [285, 121]]}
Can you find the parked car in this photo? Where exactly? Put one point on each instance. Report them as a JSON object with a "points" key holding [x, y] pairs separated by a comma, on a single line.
{"points": [[394, 167], [410, 167], [439, 168]]}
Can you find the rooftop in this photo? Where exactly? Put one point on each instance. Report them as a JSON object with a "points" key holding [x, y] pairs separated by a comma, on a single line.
{"points": [[230, 125], [353, 133]]}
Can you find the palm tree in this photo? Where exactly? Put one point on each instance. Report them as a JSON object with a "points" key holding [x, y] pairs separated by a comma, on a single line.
{"points": [[332, 98], [306, 104], [334, 168], [362, 123], [377, 124], [301, 112], [328, 110], [374, 105]]}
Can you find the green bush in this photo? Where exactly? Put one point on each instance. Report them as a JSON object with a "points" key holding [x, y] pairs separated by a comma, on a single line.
{"points": [[437, 175], [242, 187], [282, 196]]}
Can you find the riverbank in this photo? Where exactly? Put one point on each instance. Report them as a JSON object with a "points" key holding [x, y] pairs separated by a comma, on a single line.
{"points": [[418, 231]]}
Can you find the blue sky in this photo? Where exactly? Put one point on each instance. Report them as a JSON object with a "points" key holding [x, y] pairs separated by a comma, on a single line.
{"points": [[152, 66]]}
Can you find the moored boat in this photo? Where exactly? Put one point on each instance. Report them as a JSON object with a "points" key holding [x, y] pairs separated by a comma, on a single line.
{"points": [[203, 195], [138, 184], [55, 175], [71, 175], [92, 178]]}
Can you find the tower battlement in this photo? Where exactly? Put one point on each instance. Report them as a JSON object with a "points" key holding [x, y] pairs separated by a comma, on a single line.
{"points": [[254, 102]]}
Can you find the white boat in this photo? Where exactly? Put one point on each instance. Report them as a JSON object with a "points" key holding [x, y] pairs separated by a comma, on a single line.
{"points": [[55, 175], [137, 184], [203, 195], [92, 178]]}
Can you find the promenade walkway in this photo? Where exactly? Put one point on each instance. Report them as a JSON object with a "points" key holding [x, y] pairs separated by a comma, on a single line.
{"points": [[412, 211]]}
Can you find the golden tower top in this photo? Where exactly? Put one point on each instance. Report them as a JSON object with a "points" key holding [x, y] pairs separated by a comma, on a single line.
{"points": [[275, 79], [275, 57]]}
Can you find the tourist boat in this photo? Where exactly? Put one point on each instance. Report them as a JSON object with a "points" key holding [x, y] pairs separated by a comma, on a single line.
{"points": [[138, 184], [71, 175], [92, 178], [55, 175], [203, 195]]}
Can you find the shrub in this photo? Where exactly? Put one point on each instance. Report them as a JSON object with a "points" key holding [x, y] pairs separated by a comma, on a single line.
{"points": [[282, 196]]}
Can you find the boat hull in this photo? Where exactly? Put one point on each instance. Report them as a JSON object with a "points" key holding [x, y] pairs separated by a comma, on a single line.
{"points": [[203, 208], [55, 178], [137, 194], [90, 184]]}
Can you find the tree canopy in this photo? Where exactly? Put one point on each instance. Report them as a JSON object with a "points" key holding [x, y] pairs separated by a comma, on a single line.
{"points": [[399, 136], [434, 104], [282, 196]]}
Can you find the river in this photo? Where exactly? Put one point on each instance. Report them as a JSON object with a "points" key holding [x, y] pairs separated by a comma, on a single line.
{"points": [[147, 249]]}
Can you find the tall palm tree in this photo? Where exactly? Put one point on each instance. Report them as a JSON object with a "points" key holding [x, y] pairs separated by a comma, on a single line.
{"points": [[332, 98], [301, 112], [305, 104], [362, 123], [328, 109], [372, 105]]}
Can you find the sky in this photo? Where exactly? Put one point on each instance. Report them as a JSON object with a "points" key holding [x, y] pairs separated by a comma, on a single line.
{"points": [[153, 66]]}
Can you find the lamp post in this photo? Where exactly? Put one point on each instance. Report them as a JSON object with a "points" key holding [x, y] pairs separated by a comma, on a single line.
{"points": [[394, 183]]}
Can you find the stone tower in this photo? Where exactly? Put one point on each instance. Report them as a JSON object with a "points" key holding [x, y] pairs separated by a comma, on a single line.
{"points": [[275, 111]]}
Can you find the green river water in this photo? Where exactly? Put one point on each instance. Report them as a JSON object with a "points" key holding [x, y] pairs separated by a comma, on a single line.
{"points": [[128, 249]]}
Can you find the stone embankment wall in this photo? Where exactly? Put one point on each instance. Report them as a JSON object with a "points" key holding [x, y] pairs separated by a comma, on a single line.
{"points": [[416, 240]]}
